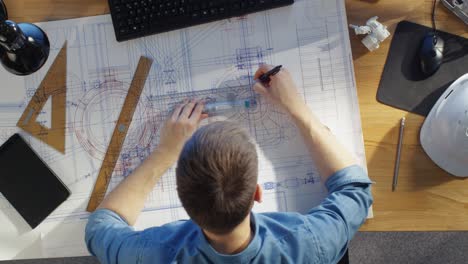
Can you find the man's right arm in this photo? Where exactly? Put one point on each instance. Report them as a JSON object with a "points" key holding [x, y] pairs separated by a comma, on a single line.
{"points": [[335, 221], [327, 153]]}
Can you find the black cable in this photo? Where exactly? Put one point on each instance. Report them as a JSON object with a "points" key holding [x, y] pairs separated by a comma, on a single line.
{"points": [[434, 27], [3, 11]]}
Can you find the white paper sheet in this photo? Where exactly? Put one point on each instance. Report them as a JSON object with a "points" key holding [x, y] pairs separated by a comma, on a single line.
{"points": [[310, 38]]}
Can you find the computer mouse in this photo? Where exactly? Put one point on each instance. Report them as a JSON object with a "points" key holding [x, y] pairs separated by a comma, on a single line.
{"points": [[431, 53]]}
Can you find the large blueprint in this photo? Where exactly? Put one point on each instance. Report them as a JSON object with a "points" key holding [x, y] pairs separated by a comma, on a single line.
{"points": [[216, 60]]}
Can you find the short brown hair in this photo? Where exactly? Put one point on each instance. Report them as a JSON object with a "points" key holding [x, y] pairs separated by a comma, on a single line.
{"points": [[217, 176]]}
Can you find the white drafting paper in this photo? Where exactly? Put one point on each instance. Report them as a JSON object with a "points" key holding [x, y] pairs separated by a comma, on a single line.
{"points": [[215, 60], [17, 241]]}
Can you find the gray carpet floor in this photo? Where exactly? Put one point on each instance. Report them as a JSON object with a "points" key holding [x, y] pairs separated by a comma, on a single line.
{"points": [[369, 247]]}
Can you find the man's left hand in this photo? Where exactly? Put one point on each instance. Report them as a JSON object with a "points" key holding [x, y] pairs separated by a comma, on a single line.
{"points": [[180, 126]]}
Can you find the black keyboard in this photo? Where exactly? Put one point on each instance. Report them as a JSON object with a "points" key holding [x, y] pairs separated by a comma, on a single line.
{"points": [[139, 18]]}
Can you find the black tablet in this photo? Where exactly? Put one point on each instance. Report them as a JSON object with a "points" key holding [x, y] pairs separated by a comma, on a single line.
{"points": [[28, 183]]}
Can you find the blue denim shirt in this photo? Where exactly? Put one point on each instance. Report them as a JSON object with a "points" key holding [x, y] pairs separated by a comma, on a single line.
{"points": [[320, 236]]}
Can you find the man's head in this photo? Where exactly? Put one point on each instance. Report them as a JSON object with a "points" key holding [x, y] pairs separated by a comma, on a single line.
{"points": [[217, 176]]}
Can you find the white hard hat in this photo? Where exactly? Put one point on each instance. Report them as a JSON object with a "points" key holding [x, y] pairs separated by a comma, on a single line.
{"points": [[444, 134]]}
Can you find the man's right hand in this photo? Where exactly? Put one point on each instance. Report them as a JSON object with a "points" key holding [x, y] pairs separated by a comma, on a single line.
{"points": [[281, 90], [328, 154]]}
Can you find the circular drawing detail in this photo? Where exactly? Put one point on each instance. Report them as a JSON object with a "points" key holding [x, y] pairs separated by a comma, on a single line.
{"points": [[96, 117]]}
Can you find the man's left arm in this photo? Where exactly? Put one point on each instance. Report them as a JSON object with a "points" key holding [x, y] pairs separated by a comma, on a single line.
{"points": [[129, 197], [109, 228], [111, 239]]}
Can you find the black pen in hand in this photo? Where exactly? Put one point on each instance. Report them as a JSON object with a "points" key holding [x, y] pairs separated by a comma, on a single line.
{"points": [[265, 78]]}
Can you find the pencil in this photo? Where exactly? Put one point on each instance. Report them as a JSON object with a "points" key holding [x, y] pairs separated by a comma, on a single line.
{"points": [[397, 162]]}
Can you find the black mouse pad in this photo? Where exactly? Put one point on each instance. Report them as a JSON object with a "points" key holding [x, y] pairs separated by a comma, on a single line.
{"points": [[403, 85]]}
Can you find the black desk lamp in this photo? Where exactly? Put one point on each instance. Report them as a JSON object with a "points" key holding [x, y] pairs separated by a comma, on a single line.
{"points": [[24, 47]]}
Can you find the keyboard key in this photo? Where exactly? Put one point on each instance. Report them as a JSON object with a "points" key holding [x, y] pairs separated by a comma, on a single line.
{"points": [[123, 31]]}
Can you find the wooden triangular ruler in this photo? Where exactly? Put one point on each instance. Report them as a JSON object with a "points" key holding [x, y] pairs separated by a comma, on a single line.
{"points": [[53, 85]]}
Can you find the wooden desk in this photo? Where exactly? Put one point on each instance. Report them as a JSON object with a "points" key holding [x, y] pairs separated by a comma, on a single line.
{"points": [[427, 198]]}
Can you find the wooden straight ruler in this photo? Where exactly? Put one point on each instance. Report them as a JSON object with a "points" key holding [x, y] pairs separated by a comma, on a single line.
{"points": [[119, 134]]}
